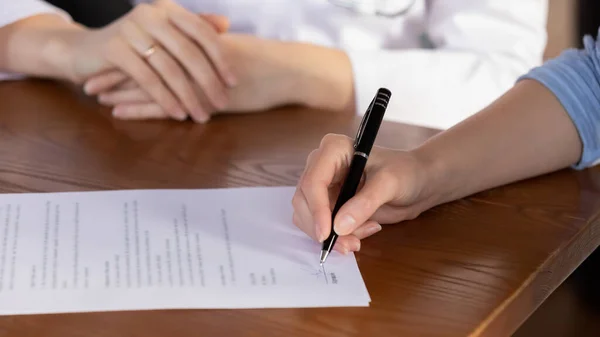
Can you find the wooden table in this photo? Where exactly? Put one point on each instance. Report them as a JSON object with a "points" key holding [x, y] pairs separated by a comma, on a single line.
{"points": [[475, 267]]}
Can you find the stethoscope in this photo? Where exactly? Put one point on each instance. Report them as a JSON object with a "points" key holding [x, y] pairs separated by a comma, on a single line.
{"points": [[386, 8]]}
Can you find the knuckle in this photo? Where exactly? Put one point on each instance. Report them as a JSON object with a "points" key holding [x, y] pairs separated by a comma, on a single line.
{"points": [[300, 182], [328, 138], [311, 156], [335, 140], [296, 199], [309, 182]]}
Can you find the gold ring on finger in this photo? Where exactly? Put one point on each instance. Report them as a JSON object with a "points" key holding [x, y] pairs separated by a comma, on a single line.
{"points": [[150, 51]]}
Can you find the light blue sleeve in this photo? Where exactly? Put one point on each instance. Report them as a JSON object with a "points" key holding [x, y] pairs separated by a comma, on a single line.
{"points": [[574, 78]]}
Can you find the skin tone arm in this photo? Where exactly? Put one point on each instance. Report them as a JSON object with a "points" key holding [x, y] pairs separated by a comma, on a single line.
{"points": [[524, 133], [36, 46], [270, 73], [463, 60], [185, 53]]}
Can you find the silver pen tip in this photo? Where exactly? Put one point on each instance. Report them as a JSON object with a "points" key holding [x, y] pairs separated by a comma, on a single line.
{"points": [[323, 257]]}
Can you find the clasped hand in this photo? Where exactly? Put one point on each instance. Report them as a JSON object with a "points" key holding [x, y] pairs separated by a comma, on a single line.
{"points": [[159, 57]]}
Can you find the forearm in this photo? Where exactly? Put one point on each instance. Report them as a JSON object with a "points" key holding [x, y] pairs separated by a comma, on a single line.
{"points": [[289, 73], [525, 133], [322, 75], [38, 46]]}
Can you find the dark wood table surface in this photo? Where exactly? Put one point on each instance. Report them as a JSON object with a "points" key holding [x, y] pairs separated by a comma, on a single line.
{"points": [[476, 267]]}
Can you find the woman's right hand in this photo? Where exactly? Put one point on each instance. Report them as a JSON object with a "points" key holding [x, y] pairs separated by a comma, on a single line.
{"points": [[167, 50], [396, 186]]}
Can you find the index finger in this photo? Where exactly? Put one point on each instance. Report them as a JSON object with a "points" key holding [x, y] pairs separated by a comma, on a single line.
{"points": [[326, 166]]}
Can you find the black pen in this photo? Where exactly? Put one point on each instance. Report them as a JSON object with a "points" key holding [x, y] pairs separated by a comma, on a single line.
{"points": [[365, 138]]}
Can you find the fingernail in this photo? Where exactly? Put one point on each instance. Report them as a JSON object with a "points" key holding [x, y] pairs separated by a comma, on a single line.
{"points": [[321, 236], [180, 115], [345, 224], [87, 88], [373, 229], [355, 246], [116, 112], [204, 117], [344, 250]]}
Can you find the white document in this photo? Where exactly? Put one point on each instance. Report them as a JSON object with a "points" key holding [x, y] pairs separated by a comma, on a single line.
{"points": [[164, 249]]}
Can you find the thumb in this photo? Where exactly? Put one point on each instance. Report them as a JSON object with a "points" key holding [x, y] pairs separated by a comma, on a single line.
{"points": [[219, 22], [375, 193]]}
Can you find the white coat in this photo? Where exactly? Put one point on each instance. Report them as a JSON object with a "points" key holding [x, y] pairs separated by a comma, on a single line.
{"points": [[443, 60]]}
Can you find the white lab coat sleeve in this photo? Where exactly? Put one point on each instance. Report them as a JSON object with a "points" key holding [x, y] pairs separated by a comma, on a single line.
{"points": [[15, 10], [481, 47]]}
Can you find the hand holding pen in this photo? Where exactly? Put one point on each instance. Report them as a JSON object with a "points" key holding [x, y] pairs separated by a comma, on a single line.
{"points": [[392, 189]]}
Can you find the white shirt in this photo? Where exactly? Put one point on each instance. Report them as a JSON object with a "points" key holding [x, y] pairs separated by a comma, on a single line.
{"points": [[16, 10], [443, 60]]}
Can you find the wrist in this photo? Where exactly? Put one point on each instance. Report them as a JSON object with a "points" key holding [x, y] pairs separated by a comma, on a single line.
{"points": [[438, 183], [321, 77], [262, 80], [70, 50], [39, 46], [60, 51], [288, 78]]}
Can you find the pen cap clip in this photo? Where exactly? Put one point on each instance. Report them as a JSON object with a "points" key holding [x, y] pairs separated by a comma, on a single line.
{"points": [[363, 123]]}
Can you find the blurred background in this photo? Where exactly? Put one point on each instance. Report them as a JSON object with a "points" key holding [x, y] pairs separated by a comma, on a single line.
{"points": [[568, 22], [563, 25]]}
